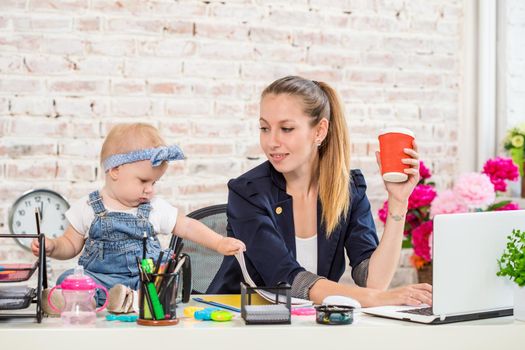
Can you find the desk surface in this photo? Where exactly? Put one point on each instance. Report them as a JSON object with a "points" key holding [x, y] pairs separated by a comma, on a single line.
{"points": [[367, 332]]}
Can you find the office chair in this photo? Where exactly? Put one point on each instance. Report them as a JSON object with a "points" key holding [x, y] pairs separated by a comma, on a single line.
{"points": [[205, 262]]}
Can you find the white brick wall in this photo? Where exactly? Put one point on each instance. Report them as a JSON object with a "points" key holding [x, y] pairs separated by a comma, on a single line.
{"points": [[69, 70]]}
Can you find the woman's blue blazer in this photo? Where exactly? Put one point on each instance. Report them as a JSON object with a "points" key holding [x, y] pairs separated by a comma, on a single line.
{"points": [[260, 214]]}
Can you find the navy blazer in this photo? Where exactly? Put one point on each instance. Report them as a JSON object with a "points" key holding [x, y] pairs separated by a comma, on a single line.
{"points": [[269, 234]]}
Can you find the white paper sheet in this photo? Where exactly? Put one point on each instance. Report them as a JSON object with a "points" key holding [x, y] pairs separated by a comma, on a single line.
{"points": [[296, 302]]}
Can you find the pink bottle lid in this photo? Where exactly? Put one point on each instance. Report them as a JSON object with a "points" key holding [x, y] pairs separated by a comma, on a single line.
{"points": [[78, 281]]}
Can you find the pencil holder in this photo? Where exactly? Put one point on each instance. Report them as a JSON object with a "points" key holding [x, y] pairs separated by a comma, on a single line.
{"points": [[159, 291], [158, 300]]}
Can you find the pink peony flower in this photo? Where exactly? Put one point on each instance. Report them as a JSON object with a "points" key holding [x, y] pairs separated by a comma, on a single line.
{"points": [[475, 190], [510, 206], [422, 196], [424, 172], [499, 170], [430, 246], [447, 203], [420, 240], [499, 184], [383, 212]]}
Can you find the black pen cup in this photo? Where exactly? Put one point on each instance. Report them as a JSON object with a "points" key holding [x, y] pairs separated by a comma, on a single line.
{"points": [[158, 299]]}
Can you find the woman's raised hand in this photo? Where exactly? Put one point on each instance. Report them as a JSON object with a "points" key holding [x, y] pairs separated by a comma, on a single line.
{"points": [[400, 191]]}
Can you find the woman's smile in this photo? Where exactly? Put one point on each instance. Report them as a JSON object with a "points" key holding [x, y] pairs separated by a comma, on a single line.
{"points": [[277, 157]]}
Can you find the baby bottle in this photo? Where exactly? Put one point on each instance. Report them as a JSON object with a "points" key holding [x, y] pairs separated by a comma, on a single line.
{"points": [[78, 291]]}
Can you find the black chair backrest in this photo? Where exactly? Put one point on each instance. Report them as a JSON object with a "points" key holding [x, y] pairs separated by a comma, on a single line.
{"points": [[206, 262]]}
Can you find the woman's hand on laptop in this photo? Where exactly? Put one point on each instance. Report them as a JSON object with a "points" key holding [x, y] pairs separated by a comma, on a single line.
{"points": [[413, 294]]}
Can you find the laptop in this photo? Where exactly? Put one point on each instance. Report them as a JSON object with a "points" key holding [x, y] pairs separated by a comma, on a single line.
{"points": [[466, 248]]}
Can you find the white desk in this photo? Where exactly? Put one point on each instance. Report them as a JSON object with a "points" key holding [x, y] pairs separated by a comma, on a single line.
{"points": [[367, 332]]}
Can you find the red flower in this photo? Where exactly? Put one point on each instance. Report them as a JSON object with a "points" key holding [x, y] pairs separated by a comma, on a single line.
{"points": [[499, 170], [424, 172], [510, 206], [383, 212], [420, 242], [422, 196]]}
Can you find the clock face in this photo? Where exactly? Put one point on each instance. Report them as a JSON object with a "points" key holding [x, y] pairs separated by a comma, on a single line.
{"points": [[52, 207]]}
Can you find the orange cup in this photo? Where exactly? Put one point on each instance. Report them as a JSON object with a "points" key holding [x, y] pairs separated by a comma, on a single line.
{"points": [[392, 142]]}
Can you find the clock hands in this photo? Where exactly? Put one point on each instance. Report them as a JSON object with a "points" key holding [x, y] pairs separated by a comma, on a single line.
{"points": [[42, 210]]}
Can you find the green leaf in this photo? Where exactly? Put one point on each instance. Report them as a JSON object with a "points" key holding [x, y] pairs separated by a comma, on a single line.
{"points": [[407, 243], [518, 158], [498, 205]]}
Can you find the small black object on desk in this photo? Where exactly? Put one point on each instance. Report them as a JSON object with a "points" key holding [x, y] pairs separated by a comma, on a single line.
{"points": [[277, 313], [334, 314]]}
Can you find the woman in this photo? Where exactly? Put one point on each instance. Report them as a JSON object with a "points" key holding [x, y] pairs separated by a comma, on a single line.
{"points": [[301, 210]]}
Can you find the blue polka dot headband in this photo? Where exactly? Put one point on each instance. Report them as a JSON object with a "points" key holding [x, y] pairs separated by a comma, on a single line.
{"points": [[156, 155]]}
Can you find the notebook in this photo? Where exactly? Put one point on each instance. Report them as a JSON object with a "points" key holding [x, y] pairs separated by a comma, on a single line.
{"points": [[466, 248], [229, 301], [296, 302]]}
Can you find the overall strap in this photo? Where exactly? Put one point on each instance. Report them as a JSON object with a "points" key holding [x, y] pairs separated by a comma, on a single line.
{"points": [[144, 210], [95, 201]]}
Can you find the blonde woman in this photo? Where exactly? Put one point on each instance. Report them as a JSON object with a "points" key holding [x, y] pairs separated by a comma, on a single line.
{"points": [[299, 212]]}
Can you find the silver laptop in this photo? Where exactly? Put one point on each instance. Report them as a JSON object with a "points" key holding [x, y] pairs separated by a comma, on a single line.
{"points": [[466, 248]]}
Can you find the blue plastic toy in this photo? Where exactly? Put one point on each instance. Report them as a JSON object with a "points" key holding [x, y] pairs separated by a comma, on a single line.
{"points": [[122, 318], [205, 315]]}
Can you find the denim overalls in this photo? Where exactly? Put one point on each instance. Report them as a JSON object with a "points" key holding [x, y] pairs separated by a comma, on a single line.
{"points": [[114, 242]]}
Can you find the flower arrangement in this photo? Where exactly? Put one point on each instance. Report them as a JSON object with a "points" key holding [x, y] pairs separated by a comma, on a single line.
{"points": [[418, 225], [514, 143], [471, 192]]}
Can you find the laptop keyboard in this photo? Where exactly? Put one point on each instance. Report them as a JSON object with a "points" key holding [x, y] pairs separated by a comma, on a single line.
{"points": [[426, 311]]}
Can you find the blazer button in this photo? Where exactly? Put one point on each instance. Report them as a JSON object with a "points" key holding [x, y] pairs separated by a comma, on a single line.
{"points": [[278, 210]]}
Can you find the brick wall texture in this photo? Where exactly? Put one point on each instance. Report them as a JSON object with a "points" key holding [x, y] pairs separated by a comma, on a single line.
{"points": [[71, 69]]}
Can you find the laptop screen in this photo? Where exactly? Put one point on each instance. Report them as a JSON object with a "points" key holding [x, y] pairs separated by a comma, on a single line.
{"points": [[466, 248]]}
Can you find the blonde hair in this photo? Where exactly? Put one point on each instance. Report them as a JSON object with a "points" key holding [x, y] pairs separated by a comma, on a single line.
{"points": [[332, 170], [124, 138]]}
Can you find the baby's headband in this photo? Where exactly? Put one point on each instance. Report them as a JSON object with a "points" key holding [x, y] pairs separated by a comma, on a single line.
{"points": [[156, 155]]}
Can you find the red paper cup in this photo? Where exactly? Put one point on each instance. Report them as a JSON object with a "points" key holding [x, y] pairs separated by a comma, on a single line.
{"points": [[392, 141]]}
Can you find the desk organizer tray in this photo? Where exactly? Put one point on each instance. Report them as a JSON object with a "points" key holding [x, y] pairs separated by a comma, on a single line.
{"points": [[16, 297], [16, 272]]}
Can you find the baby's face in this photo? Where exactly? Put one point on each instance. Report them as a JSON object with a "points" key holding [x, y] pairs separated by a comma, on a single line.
{"points": [[135, 182]]}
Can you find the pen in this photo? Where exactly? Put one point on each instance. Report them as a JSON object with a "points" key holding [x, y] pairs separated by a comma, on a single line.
{"points": [[37, 218], [164, 287], [167, 270], [154, 298], [179, 264], [144, 243], [178, 249], [159, 261], [142, 307], [173, 242]]}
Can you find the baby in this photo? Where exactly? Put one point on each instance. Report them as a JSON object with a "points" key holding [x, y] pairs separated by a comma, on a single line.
{"points": [[110, 224]]}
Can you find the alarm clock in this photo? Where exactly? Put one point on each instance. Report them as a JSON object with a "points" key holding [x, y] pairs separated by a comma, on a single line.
{"points": [[52, 207]]}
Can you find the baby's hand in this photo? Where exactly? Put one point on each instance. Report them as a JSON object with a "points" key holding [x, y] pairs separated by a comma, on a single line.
{"points": [[230, 246], [35, 246]]}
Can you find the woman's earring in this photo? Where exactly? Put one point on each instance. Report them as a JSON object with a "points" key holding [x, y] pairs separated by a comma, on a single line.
{"points": [[318, 143]]}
